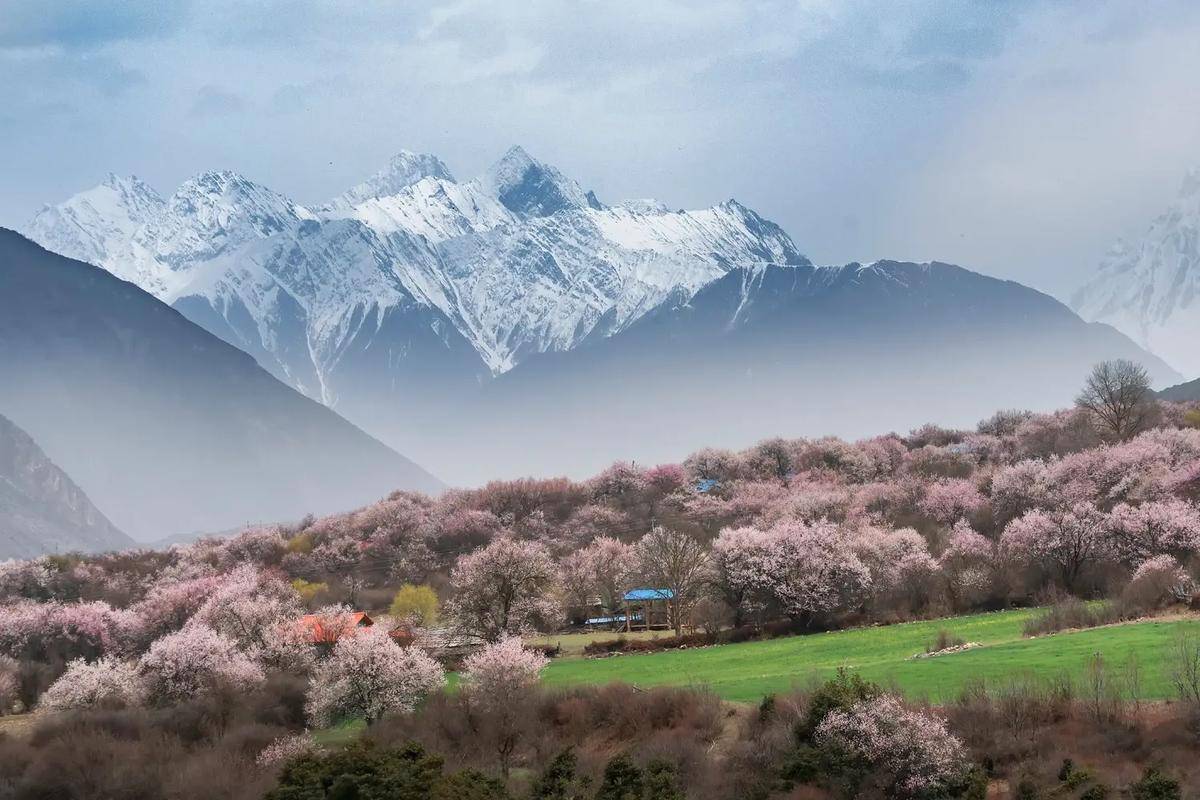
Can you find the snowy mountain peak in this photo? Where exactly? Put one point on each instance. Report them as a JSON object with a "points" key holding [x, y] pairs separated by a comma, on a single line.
{"points": [[645, 205], [1149, 289], [91, 224], [403, 170], [529, 187], [517, 262], [211, 213]]}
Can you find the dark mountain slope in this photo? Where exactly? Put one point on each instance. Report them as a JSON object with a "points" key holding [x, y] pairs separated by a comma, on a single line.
{"points": [[1183, 392], [166, 427], [41, 508], [799, 350]]}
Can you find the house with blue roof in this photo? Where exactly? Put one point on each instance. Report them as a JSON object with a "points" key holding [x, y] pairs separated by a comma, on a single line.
{"points": [[648, 608]]}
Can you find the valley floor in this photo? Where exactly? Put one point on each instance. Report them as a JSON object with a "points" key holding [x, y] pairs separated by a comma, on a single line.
{"points": [[746, 672]]}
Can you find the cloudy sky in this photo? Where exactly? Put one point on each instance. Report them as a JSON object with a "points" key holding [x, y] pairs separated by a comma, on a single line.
{"points": [[1016, 138]]}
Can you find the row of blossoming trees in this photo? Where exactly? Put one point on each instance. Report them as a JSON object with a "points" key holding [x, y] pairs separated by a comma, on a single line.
{"points": [[819, 532]]}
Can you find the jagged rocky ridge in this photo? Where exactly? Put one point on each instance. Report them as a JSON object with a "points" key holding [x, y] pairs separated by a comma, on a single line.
{"points": [[1150, 288], [41, 509]]}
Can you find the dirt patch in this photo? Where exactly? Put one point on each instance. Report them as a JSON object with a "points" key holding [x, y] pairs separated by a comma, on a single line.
{"points": [[17, 725]]}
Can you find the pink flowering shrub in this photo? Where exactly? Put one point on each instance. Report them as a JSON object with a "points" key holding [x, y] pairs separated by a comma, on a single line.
{"points": [[504, 588], [193, 661], [502, 672], [286, 748], [369, 675], [87, 685], [1157, 582], [911, 754]]}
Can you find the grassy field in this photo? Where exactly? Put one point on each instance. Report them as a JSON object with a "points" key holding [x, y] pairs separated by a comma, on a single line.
{"points": [[747, 672], [573, 643]]}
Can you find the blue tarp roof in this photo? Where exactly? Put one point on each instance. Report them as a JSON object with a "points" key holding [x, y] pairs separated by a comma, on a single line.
{"points": [[707, 485], [649, 594], [607, 620]]}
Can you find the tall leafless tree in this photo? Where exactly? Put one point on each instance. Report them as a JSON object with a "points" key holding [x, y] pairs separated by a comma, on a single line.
{"points": [[1117, 394], [675, 561]]}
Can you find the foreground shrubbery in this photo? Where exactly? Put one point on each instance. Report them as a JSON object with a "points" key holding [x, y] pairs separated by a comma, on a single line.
{"points": [[845, 738]]}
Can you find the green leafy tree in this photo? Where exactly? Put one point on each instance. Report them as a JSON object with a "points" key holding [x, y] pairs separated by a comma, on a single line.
{"points": [[416, 603], [622, 780], [1154, 785], [560, 780]]}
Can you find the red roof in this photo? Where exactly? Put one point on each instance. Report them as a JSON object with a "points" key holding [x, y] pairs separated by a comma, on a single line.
{"points": [[326, 628]]}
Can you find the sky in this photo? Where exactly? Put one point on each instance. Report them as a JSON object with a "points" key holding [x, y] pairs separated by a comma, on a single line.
{"points": [[1016, 138]]}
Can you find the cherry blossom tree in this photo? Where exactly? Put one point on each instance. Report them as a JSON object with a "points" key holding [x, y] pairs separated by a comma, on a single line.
{"points": [[666, 478], [911, 753], [258, 612], [193, 661], [737, 558], [169, 604], [504, 588], [1155, 528], [1063, 542], [808, 569], [771, 459], [813, 571], [89, 684], [952, 499], [968, 564], [498, 680], [285, 749], [502, 670], [369, 675], [901, 568]]}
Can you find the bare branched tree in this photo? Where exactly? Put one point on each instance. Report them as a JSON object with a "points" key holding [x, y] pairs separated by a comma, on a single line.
{"points": [[1117, 395], [676, 561]]}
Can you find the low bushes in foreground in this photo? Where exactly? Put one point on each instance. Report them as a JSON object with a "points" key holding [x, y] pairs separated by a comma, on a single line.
{"points": [[845, 738]]}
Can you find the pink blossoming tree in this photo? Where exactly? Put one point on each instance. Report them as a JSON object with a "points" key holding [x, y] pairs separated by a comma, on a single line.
{"points": [[911, 753], [87, 685], [503, 589], [369, 675], [193, 661]]}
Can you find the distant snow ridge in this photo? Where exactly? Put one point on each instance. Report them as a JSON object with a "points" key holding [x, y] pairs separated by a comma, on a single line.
{"points": [[518, 261], [1150, 289]]}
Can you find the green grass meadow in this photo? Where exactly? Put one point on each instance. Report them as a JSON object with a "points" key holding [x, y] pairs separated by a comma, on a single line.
{"points": [[746, 672]]}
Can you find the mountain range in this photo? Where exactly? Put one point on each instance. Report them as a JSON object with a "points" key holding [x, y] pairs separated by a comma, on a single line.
{"points": [[1150, 288], [41, 508], [167, 428], [514, 323]]}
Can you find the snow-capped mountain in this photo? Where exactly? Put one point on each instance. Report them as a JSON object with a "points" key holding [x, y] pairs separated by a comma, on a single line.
{"points": [[518, 261], [514, 323], [1150, 289], [94, 224]]}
